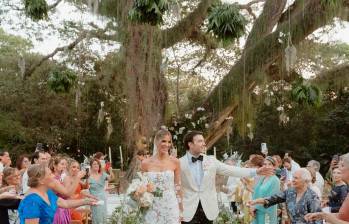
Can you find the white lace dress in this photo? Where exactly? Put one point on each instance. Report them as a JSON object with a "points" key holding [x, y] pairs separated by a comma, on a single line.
{"points": [[165, 209]]}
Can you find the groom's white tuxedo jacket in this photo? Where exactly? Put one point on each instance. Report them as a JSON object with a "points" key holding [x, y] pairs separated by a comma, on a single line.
{"points": [[206, 192]]}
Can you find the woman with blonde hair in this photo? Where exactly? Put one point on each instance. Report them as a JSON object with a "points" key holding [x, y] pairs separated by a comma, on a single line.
{"points": [[40, 204]]}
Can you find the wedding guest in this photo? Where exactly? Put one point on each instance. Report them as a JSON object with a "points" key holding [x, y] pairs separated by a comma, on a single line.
{"points": [[38, 157], [40, 204], [313, 181], [58, 165], [266, 187], [73, 170], [300, 199], [8, 201], [338, 193], [320, 182], [5, 160], [11, 179], [343, 215], [333, 165], [96, 181], [22, 164]]}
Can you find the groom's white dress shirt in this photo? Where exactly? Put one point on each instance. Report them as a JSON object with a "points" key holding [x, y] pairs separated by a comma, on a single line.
{"points": [[195, 169]]}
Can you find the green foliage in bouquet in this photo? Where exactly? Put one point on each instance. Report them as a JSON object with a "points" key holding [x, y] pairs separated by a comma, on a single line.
{"points": [[36, 9], [148, 11], [225, 217], [226, 22], [61, 80], [119, 216], [306, 94]]}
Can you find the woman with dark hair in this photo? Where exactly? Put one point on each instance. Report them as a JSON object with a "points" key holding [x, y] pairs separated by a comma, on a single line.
{"points": [[40, 204], [96, 181], [22, 163]]}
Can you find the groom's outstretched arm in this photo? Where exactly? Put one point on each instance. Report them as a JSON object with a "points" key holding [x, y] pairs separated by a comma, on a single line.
{"points": [[227, 170]]}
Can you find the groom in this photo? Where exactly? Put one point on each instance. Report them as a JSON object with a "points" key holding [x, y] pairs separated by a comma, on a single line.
{"points": [[198, 174]]}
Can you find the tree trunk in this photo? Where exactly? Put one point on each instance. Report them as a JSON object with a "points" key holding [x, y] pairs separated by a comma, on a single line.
{"points": [[144, 87]]}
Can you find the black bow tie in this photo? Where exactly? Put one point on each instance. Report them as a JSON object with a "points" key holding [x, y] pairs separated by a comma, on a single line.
{"points": [[193, 159]]}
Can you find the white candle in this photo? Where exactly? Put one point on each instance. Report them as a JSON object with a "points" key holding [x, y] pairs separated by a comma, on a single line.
{"points": [[121, 159], [214, 152], [110, 156]]}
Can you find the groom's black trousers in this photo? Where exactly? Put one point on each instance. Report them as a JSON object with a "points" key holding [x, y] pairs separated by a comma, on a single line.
{"points": [[199, 217]]}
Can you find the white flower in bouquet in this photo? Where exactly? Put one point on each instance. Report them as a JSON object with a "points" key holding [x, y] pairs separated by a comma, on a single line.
{"points": [[146, 200]]}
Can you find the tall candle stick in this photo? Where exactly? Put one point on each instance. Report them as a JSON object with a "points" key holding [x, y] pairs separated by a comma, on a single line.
{"points": [[121, 159], [110, 156]]}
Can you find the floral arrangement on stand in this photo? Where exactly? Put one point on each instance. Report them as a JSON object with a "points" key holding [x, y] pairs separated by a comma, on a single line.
{"points": [[138, 199]]}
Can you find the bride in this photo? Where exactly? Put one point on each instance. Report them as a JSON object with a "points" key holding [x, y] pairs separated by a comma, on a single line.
{"points": [[164, 171]]}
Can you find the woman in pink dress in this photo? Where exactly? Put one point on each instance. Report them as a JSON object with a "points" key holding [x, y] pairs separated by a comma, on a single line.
{"points": [[58, 165]]}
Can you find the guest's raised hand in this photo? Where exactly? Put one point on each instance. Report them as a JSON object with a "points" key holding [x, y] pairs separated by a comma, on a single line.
{"points": [[265, 171], [81, 174]]}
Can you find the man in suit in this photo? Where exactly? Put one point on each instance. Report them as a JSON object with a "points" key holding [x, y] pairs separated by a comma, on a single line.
{"points": [[198, 174]]}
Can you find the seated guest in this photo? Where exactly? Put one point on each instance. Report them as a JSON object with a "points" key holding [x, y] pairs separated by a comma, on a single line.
{"points": [[40, 204], [343, 215], [300, 199]]}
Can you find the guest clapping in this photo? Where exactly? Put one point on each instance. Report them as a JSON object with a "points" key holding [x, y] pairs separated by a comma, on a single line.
{"points": [[300, 199], [41, 203]]}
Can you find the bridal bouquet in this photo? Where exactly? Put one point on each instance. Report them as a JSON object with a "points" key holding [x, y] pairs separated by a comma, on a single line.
{"points": [[143, 191], [139, 197]]}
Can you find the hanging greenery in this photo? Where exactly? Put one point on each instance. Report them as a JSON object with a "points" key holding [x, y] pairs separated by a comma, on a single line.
{"points": [[36, 9], [226, 22], [304, 93], [61, 80], [148, 11]]}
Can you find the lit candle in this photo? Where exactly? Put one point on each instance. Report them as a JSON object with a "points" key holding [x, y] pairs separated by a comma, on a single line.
{"points": [[121, 159], [110, 156], [214, 152]]}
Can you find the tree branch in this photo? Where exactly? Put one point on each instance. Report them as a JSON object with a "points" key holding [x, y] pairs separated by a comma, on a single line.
{"points": [[248, 7], [70, 46], [97, 33], [262, 54], [265, 23], [186, 26], [54, 5], [339, 76]]}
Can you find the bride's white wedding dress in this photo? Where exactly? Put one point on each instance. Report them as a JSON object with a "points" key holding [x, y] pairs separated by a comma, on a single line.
{"points": [[165, 209]]}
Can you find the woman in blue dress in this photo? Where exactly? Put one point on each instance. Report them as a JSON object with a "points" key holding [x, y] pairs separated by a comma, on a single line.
{"points": [[97, 182], [266, 187], [40, 203]]}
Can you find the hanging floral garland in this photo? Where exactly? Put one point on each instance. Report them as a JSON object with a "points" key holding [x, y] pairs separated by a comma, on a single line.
{"points": [[226, 22], [36, 9], [148, 11]]}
